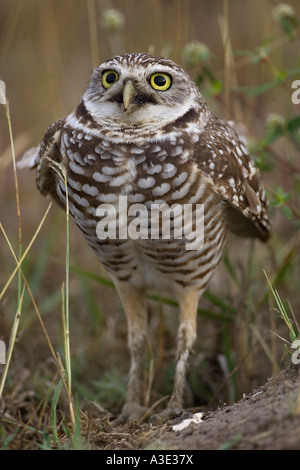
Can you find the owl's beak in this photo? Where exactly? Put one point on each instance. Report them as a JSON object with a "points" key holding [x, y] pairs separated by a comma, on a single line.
{"points": [[129, 92]]}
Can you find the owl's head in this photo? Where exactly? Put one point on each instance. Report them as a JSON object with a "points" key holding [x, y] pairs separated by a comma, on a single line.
{"points": [[136, 90]]}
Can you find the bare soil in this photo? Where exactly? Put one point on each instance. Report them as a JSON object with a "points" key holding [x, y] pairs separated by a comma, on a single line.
{"points": [[266, 419]]}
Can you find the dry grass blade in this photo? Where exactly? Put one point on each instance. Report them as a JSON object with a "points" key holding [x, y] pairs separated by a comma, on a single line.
{"points": [[12, 341], [56, 358], [265, 347], [3, 100], [6, 105], [25, 252], [31, 297], [91, 7]]}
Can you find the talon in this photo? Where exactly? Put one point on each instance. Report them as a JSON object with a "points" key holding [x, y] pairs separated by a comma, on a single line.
{"points": [[166, 415], [185, 415], [130, 413], [153, 421]]}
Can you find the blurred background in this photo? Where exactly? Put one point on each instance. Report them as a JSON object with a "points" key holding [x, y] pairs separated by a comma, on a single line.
{"points": [[244, 56]]}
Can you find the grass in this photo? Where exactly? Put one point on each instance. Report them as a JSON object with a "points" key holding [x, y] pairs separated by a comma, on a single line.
{"points": [[59, 315], [291, 323]]}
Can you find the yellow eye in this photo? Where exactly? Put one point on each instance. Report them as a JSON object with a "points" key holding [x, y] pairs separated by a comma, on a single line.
{"points": [[160, 81], [109, 77]]}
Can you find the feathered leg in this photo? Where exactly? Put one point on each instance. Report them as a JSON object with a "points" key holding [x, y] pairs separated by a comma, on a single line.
{"points": [[135, 308], [187, 332]]}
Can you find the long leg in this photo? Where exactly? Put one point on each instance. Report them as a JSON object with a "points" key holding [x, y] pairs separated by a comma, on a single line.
{"points": [[135, 308], [187, 332]]}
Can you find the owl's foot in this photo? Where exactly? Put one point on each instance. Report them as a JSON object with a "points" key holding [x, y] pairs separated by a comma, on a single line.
{"points": [[170, 413], [131, 412]]}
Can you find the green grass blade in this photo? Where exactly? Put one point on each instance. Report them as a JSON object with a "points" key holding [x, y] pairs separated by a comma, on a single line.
{"points": [[282, 310], [53, 413], [216, 300], [231, 270]]}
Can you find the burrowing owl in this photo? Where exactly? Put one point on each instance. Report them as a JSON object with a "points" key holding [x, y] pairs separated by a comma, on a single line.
{"points": [[143, 134]]}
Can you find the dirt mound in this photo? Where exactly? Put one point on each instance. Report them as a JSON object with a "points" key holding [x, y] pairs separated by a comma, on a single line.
{"points": [[267, 418]]}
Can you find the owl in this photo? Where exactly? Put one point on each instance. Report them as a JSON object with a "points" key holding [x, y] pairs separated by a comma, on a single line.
{"points": [[143, 137]]}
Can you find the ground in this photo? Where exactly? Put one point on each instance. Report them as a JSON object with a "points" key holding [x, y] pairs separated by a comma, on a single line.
{"points": [[266, 419]]}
